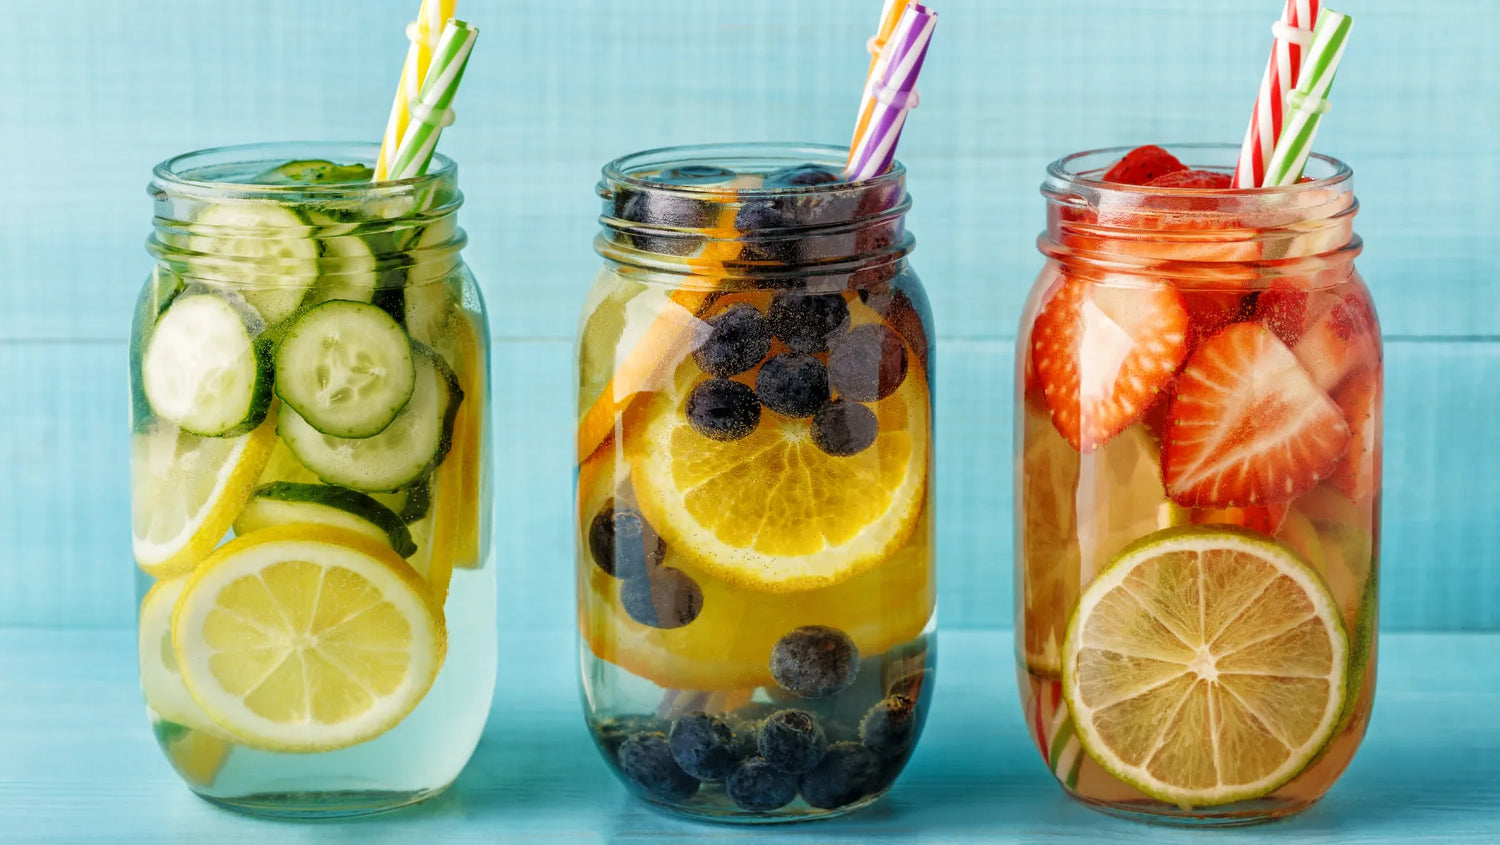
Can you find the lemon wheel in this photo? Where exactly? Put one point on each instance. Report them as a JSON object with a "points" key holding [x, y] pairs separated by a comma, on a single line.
{"points": [[307, 638], [161, 682], [1205, 666], [186, 491]]}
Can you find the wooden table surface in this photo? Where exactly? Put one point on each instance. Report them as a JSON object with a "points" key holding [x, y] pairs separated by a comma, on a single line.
{"points": [[78, 763]]}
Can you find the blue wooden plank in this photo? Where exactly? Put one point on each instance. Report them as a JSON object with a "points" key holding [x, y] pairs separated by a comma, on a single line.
{"points": [[80, 765], [557, 88], [64, 509]]}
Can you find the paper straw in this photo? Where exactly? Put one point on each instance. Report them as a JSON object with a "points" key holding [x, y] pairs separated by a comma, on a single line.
{"points": [[890, 16], [423, 34], [1292, 34], [1309, 102], [893, 94], [430, 112]]}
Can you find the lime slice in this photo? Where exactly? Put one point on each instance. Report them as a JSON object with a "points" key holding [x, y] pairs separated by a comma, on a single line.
{"points": [[186, 491], [307, 638], [1205, 666]]}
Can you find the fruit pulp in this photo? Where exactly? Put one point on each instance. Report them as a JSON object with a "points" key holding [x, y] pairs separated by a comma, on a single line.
{"points": [[444, 512], [1259, 410], [763, 484]]}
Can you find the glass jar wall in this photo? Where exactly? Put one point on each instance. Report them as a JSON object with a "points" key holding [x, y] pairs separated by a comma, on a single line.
{"points": [[310, 481], [754, 525]]}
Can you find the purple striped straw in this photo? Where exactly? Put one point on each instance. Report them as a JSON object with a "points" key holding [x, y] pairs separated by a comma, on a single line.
{"points": [[894, 93]]}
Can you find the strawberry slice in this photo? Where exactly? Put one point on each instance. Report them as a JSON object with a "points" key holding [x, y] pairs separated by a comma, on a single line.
{"points": [[1211, 311], [1248, 425], [1358, 472], [1203, 180], [1142, 164], [1342, 341], [1103, 352]]}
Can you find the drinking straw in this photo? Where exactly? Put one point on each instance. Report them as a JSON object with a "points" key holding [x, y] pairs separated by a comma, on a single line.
{"points": [[430, 112], [890, 16], [1292, 35], [893, 94], [1310, 101], [422, 33]]}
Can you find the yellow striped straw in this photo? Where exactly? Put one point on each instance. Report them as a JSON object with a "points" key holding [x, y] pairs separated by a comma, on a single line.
{"points": [[890, 16], [423, 34]]}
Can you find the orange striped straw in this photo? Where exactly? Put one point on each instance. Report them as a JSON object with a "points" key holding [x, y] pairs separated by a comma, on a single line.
{"points": [[423, 34], [890, 16]]}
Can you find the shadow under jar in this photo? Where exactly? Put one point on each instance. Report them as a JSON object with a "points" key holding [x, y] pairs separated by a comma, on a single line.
{"points": [[1198, 492], [755, 553], [310, 484]]}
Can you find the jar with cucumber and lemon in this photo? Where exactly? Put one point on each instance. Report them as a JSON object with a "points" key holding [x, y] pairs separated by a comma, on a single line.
{"points": [[1198, 487], [310, 481], [754, 522]]}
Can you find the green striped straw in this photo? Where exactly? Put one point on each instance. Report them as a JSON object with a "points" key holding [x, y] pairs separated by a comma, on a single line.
{"points": [[431, 111], [1310, 99]]}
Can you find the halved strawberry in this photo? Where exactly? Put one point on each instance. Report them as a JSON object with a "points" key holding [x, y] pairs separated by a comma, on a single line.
{"points": [[1102, 351], [1142, 164], [1358, 472], [1342, 341], [1203, 180], [1266, 519], [1211, 311], [1248, 425]]}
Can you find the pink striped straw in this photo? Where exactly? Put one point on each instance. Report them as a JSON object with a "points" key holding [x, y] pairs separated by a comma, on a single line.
{"points": [[1293, 33], [893, 94]]}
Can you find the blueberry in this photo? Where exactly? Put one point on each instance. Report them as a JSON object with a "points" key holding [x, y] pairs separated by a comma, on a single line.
{"points": [[867, 364], [663, 598], [646, 761], [693, 174], [791, 740], [760, 786], [703, 746], [612, 733], [890, 728], [737, 340], [720, 409], [622, 543], [805, 322], [802, 176], [759, 214], [814, 661], [847, 773], [844, 428], [793, 385], [745, 731]]}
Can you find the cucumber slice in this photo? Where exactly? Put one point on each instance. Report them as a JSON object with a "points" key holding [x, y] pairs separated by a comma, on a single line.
{"points": [[204, 369], [255, 247], [315, 172], [159, 292], [346, 368], [285, 502], [408, 449]]}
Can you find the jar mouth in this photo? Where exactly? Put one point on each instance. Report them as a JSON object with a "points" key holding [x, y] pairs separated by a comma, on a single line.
{"points": [[760, 158], [1088, 167], [219, 172]]}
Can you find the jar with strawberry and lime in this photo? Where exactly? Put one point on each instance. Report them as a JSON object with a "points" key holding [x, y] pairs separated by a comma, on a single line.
{"points": [[1198, 486]]}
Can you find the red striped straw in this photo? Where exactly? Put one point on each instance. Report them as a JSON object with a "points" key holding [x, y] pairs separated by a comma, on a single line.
{"points": [[1293, 33], [892, 94]]}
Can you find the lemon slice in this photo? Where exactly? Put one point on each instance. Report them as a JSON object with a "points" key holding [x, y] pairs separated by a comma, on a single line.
{"points": [[161, 682], [772, 511], [307, 638], [1205, 666], [186, 491]]}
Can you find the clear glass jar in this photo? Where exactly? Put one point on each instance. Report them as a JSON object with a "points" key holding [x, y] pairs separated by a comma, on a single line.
{"points": [[310, 481], [755, 551], [1198, 492]]}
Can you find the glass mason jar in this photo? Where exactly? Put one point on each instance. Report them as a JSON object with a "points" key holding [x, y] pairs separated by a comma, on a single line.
{"points": [[1198, 492], [755, 568], [310, 481]]}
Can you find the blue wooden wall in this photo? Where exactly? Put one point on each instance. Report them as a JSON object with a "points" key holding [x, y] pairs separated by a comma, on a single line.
{"points": [[93, 93]]}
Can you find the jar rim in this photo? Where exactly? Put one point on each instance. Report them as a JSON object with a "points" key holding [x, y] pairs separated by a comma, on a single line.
{"points": [[173, 173], [621, 170], [1066, 171]]}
